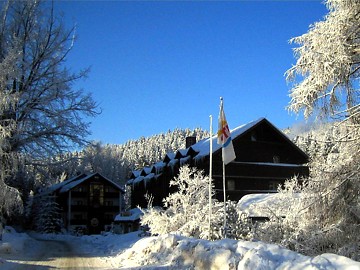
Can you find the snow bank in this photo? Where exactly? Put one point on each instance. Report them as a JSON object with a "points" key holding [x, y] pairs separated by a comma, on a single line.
{"points": [[177, 252], [13, 242], [172, 251], [109, 244]]}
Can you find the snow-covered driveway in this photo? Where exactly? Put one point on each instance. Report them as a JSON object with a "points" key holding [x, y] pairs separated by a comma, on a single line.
{"points": [[44, 254]]}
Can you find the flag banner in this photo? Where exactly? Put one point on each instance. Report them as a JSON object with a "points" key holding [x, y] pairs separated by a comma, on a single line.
{"points": [[224, 137]]}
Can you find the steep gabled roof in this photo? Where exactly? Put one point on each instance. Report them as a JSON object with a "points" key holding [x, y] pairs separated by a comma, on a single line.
{"points": [[58, 186], [69, 184], [281, 134], [73, 184], [203, 146]]}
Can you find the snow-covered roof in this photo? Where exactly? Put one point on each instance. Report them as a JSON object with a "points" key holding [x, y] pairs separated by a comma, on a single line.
{"points": [[133, 215], [158, 167], [135, 173], [181, 153], [58, 186], [138, 179], [203, 146], [73, 182], [200, 150], [131, 181], [265, 204], [169, 156], [145, 171]]}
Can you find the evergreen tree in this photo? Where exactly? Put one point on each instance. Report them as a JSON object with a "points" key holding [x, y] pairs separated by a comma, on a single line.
{"points": [[47, 215]]}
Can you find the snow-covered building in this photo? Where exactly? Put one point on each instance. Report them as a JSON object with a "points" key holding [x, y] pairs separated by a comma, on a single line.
{"points": [[127, 221], [87, 202], [265, 158]]}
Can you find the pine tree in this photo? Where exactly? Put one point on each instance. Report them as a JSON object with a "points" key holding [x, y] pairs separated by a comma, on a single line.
{"points": [[47, 214]]}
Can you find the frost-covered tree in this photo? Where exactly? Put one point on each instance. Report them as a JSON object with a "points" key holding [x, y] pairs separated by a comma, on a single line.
{"points": [[41, 113], [326, 216], [116, 161], [187, 211], [9, 197], [10, 201], [328, 62]]}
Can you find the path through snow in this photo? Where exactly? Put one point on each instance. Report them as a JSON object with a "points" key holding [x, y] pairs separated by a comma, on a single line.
{"points": [[41, 254]]}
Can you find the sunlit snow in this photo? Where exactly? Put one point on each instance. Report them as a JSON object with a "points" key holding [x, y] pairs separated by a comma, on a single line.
{"points": [[175, 252]]}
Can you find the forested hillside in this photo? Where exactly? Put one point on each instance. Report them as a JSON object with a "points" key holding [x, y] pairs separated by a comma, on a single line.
{"points": [[117, 161]]}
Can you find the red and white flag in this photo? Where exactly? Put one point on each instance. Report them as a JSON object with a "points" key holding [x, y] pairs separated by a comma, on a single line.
{"points": [[224, 137]]}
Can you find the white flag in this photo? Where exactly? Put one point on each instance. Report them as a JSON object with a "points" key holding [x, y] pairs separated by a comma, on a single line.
{"points": [[224, 137]]}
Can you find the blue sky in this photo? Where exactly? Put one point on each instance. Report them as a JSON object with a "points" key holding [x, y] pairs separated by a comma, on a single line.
{"points": [[161, 65]]}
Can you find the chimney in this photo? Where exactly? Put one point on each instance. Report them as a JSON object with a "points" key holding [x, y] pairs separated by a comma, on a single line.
{"points": [[190, 140]]}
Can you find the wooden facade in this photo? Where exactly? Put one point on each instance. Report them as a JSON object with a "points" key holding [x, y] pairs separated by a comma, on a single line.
{"points": [[88, 203], [265, 158]]}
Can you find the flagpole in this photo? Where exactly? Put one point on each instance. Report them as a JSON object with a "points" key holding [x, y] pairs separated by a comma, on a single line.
{"points": [[210, 177], [228, 153], [224, 188], [224, 184]]}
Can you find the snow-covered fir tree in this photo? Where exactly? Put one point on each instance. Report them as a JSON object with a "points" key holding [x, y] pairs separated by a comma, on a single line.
{"points": [[47, 217], [115, 161]]}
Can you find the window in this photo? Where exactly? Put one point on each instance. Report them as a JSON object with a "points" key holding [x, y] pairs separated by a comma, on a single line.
{"points": [[79, 202], [109, 189], [231, 184], [109, 203], [96, 194]]}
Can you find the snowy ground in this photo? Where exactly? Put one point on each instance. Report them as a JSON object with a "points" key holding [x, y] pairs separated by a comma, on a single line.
{"points": [[128, 251]]}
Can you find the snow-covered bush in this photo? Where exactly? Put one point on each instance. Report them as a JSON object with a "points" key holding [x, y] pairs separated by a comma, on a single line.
{"points": [[187, 211]]}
